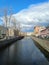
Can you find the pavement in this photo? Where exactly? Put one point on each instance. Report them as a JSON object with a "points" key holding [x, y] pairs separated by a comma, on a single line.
{"points": [[43, 43]]}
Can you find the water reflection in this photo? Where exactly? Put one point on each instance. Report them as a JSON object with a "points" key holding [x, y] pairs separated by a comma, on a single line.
{"points": [[23, 52]]}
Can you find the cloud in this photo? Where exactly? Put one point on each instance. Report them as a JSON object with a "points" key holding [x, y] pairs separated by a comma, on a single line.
{"points": [[34, 13], [24, 25]]}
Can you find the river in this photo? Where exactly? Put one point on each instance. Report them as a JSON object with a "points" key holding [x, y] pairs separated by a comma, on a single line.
{"points": [[23, 52]]}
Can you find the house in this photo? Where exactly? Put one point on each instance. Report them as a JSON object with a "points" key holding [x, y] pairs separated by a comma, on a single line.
{"points": [[45, 33], [38, 29]]}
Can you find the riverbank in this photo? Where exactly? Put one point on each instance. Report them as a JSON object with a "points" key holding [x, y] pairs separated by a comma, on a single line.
{"points": [[7, 42], [43, 45]]}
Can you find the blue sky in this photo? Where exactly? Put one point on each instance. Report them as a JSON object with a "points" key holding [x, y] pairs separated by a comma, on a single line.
{"points": [[28, 12], [18, 5]]}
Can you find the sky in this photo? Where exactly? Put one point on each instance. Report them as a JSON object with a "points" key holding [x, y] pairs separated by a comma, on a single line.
{"points": [[18, 5], [28, 13]]}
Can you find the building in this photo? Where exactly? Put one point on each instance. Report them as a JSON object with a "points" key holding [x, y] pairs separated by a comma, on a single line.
{"points": [[38, 29], [26, 33], [23, 33], [8, 32], [2, 31], [11, 32], [44, 33], [29, 33]]}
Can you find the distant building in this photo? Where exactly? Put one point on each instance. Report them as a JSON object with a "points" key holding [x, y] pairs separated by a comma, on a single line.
{"points": [[16, 32], [26, 33], [38, 29], [29, 33], [2, 31], [8, 32], [45, 33], [23, 33], [12, 32]]}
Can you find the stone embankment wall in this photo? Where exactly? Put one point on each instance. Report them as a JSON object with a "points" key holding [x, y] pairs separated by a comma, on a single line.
{"points": [[8, 42]]}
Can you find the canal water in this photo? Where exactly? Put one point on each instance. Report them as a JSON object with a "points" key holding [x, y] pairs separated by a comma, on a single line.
{"points": [[23, 52]]}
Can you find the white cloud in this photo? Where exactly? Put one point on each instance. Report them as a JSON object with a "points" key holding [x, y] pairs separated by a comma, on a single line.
{"points": [[34, 13], [24, 25]]}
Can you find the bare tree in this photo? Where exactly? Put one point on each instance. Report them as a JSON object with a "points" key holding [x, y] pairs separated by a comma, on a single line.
{"points": [[16, 26], [14, 22], [7, 19], [19, 27]]}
